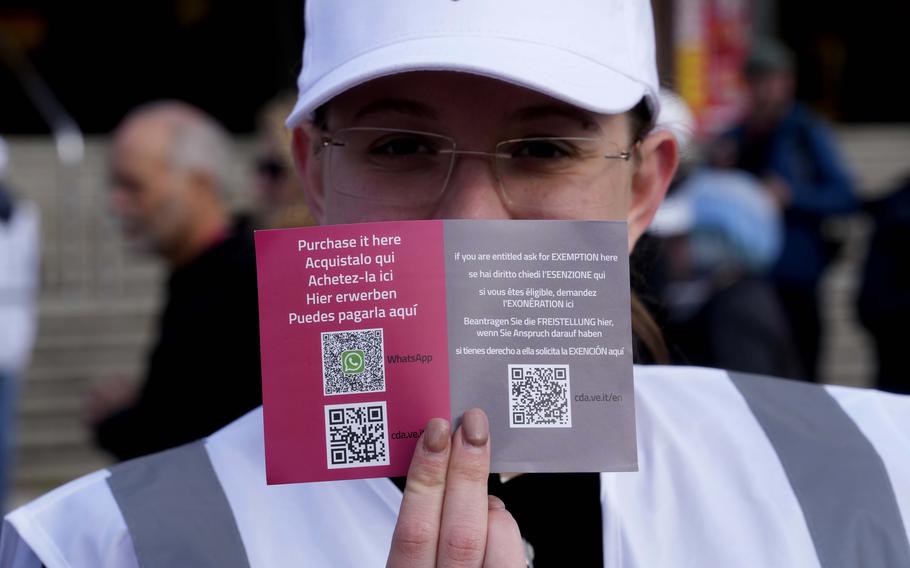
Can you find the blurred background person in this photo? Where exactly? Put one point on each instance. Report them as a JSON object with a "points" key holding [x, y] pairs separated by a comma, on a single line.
{"points": [[794, 155], [703, 263], [19, 265], [278, 200], [884, 297], [167, 170], [719, 233]]}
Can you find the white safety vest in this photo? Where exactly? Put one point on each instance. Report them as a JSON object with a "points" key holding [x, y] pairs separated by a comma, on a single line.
{"points": [[735, 470]]}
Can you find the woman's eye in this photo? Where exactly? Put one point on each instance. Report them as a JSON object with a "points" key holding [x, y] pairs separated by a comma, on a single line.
{"points": [[542, 149], [401, 147]]}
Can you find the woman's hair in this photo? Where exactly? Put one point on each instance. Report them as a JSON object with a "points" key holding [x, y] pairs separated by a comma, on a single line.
{"points": [[641, 120], [321, 116], [649, 340], [650, 346]]}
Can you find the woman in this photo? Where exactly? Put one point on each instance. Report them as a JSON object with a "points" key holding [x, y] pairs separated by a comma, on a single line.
{"points": [[582, 125]]}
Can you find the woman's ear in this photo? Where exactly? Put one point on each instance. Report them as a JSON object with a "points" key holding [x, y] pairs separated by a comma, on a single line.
{"points": [[309, 166], [658, 158]]}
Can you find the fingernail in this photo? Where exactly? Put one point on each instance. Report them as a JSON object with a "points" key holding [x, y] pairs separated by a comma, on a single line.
{"points": [[494, 503], [436, 436], [475, 428]]}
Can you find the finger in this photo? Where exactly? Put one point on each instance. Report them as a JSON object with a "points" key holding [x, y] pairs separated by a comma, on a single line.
{"points": [[463, 531], [417, 531], [505, 548]]}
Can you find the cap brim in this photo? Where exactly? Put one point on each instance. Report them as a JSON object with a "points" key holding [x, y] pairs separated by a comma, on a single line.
{"points": [[561, 74]]}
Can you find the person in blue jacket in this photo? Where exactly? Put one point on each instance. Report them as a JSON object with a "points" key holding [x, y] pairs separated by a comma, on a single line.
{"points": [[795, 156]]}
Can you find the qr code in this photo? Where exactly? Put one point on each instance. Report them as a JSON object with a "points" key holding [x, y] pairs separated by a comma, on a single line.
{"points": [[539, 396], [352, 362], [356, 435]]}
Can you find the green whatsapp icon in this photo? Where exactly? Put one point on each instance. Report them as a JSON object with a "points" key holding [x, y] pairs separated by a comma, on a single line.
{"points": [[352, 361]]}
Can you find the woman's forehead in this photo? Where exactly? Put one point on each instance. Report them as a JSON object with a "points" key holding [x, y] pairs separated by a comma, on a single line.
{"points": [[446, 96]]}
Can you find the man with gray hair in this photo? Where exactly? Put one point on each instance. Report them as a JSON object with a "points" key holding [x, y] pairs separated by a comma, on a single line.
{"points": [[168, 173]]}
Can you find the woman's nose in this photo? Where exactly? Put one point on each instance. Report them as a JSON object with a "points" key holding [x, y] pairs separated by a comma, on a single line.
{"points": [[472, 191]]}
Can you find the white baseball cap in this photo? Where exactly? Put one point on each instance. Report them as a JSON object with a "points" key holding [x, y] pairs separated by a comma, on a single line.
{"points": [[595, 54]]}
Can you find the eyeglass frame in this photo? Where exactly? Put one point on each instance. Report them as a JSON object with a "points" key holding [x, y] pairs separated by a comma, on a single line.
{"points": [[328, 142]]}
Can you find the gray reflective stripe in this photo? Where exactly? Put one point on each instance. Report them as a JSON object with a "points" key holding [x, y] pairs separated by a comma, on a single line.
{"points": [[176, 511], [839, 479]]}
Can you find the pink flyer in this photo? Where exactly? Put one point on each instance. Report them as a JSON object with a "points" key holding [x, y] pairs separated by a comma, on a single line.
{"points": [[369, 330]]}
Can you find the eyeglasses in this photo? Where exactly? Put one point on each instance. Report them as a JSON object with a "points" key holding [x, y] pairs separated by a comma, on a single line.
{"points": [[409, 168]]}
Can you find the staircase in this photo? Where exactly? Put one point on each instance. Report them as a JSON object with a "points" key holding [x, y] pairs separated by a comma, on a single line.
{"points": [[78, 343], [97, 310]]}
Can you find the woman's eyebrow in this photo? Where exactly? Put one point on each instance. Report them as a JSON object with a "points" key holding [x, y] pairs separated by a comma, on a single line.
{"points": [[586, 119], [399, 106]]}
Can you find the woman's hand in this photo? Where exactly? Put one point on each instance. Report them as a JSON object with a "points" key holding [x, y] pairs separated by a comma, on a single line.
{"points": [[446, 517]]}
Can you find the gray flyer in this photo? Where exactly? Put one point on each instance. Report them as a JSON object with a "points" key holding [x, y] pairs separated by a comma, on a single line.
{"points": [[539, 331]]}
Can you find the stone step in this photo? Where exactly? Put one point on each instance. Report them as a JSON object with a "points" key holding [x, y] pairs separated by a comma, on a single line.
{"points": [[68, 382], [51, 437], [105, 264], [70, 419], [42, 400], [52, 404], [41, 407], [94, 325], [42, 476], [124, 355], [54, 441], [93, 329], [72, 342], [60, 456], [62, 306], [39, 376]]}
